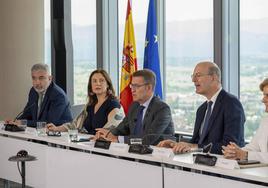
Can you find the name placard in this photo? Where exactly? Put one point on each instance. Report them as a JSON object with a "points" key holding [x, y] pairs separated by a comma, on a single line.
{"points": [[162, 152], [227, 163], [119, 147]]}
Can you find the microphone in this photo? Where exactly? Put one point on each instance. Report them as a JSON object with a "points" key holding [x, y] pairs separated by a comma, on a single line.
{"points": [[141, 146], [205, 158], [26, 108], [14, 128], [207, 148]]}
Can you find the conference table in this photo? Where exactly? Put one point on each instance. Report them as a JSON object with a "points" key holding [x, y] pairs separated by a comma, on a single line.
{"points": [[61, 163]]}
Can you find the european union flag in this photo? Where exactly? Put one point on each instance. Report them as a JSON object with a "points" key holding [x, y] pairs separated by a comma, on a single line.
{"points": [[151, 56]]}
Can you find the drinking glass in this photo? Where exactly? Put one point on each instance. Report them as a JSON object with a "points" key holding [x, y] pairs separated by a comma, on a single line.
{"points": [[73, 135], [41, 128]]}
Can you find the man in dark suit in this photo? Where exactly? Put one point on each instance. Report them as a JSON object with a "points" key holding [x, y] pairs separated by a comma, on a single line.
{"points": [[148, 117], [47, 102], [219, 120]]}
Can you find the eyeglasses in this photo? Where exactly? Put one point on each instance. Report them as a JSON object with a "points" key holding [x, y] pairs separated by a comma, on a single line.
{"points": [[199, 75], [136, 86]]}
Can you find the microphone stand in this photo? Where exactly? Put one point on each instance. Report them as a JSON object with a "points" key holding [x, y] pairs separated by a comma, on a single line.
{"points": [[22, 160]]}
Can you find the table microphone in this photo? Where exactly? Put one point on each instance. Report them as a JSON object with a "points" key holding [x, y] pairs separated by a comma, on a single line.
{"points": [[143, 147], [206, 158], [14, 128]]}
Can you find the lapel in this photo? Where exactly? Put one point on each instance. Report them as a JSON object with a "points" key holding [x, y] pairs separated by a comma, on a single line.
{"points": [[215, 111], [133, 116], [200, 115], [146, 119]]}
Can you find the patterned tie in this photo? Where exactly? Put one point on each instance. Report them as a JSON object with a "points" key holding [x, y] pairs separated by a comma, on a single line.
{"points": [[40, 100], [138, 128], [206, 122]]}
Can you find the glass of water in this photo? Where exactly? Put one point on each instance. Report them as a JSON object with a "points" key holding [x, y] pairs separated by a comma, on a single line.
{"points": [[41, 128], [23, 123], [73, 135]]}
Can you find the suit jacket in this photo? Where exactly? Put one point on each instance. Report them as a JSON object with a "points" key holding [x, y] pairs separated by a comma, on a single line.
{"points": [[258, 147], [226, 123], [157, 122], [55, 107]]}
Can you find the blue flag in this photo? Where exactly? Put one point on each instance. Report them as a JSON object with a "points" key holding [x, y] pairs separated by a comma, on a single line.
{"points": [[151, 56]]}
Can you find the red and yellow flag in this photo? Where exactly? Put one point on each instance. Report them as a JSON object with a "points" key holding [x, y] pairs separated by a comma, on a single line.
{"points": [[129, 61]]}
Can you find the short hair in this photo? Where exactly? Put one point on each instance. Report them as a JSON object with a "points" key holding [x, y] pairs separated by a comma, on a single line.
{"points": [[40, 66], [148, 76], [263, 84]]}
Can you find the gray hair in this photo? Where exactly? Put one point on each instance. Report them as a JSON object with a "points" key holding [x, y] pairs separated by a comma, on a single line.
{"points": [[214, 69], [40, 66]]}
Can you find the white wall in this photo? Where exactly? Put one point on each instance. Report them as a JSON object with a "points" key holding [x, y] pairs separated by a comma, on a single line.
{"points": [[21, 46]]}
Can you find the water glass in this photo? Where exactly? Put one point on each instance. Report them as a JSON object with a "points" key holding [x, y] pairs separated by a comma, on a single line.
{"points": [[73, 135], [23, 123], [41, 128]]}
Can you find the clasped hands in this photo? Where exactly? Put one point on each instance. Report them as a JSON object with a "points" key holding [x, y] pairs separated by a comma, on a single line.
{"points": [[105, 134], [232, 151]]}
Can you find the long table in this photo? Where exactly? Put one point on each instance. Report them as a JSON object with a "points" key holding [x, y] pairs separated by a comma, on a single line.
{"points": [[63, 164]]}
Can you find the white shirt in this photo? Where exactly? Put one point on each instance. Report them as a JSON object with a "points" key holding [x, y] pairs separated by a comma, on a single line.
{"points": [[213, 99], [258, 147]]}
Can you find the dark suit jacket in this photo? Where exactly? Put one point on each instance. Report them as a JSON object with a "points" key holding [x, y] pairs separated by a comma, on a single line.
{"points": [[55, 107], [157, 122], [226, 123]]}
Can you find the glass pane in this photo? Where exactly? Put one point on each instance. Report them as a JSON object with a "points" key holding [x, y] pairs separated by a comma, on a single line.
{"points": [[139, 15], [47, 33], [189, 39], [84, 45], [253, 60]]}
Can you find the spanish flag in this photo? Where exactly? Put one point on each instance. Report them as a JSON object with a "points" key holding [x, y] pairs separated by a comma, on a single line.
{"points": [[129, 61]]}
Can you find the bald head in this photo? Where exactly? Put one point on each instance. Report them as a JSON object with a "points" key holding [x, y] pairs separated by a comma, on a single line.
{"points": [[206, 77], [212, 68]]}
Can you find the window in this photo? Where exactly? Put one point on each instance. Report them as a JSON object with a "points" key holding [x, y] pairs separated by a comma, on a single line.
{"points": [[189, 39], [253, 60], [84, 45], [47, 32], [139, 16]]}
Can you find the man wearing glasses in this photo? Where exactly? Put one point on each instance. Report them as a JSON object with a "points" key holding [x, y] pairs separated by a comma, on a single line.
{"points": [[219, 120], [148, 117]]}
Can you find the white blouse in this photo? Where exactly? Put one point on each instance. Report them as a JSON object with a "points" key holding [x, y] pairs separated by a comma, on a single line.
{"points": [[258, 147]]}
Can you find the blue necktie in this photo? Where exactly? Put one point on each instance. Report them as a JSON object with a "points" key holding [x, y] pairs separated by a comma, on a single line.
{"points": [[206, 122], [138, 131]]}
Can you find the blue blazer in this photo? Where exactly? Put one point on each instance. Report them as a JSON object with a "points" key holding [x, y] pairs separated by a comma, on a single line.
{"points": [[55, 107], [226, 123]]}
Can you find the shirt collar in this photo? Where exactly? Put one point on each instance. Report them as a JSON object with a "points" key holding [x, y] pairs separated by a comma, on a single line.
{"points": [[146, 104], [214, 97]]}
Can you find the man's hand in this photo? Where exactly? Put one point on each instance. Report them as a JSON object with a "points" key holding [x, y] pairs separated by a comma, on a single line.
{"points": [[182, 147], [166, 144]]}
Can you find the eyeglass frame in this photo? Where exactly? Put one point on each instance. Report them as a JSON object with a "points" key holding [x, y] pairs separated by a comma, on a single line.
{"points": [[199, 75], [136, 86]]}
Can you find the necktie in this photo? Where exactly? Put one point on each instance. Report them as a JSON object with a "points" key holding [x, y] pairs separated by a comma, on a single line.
{"points": [[138, 128], [40, 100], [206, 122]]}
